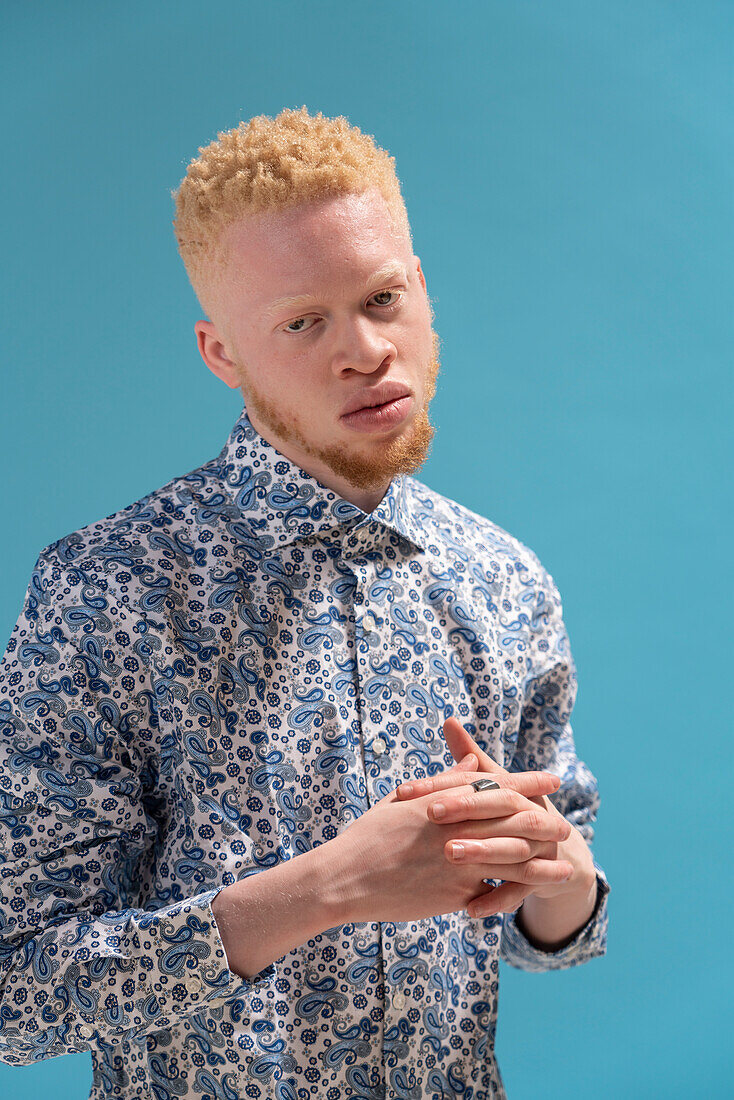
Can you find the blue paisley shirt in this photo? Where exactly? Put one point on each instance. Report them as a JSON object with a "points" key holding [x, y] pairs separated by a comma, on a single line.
{"points": [[219, 677]]}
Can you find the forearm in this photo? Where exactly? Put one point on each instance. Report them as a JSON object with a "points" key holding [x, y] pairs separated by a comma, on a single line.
{"points": [[551, 923], [263, 917]]}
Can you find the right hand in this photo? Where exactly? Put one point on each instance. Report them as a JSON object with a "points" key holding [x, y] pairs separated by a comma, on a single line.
{"points": [[389, 864]]}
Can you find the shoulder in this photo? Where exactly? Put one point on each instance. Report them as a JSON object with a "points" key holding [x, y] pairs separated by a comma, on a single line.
{"points": [[140, 551], [458, 531]]}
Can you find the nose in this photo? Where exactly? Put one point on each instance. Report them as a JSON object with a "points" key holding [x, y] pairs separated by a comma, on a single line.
{"points": [[359, 345]]}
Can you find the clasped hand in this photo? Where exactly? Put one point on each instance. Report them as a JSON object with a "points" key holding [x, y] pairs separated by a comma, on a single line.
{"points": [[530, 851]]}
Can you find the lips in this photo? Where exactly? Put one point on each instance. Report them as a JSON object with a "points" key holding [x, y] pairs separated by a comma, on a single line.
{"points": [[377, 395]]}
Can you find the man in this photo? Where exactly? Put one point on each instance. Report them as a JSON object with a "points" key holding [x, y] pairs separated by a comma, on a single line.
{"points": [[231, 709]]}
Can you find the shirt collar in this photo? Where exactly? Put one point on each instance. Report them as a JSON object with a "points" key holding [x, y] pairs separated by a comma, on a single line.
{"points": [[284, 504]]}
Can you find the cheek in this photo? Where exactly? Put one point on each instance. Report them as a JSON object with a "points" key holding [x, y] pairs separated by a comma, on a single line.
{"points": [[296, 391], [302, 379]]}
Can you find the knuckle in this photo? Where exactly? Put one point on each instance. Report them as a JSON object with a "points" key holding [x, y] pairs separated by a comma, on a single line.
{"points": [[514, 797], [518, 872], [530, 872], [540, 871], [525, 849], [535, 820]]}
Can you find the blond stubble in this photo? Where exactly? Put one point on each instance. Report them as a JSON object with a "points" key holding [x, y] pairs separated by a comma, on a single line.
{"points": [[404, 454]]}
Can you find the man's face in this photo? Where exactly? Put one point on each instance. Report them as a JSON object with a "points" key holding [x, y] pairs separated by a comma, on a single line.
{"points": [[299, 365]]}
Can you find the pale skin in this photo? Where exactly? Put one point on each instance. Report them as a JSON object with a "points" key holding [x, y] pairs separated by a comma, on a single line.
{"points": [[297, 366], [551, 913]]}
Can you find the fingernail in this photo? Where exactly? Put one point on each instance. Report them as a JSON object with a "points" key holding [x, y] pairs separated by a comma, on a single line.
{"points": [[406, 788], [457, 850], [439, 810]]}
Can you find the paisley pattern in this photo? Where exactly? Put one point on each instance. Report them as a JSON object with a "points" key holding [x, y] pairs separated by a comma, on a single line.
{"points": [[219, 677]]}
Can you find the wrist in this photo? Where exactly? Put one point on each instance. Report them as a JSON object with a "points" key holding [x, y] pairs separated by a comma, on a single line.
{"points": [[325, 870], [551, 923], [264, 916]]}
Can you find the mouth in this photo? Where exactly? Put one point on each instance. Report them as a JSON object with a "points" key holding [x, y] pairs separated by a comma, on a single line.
{"points": [[377, 418], [379, 404], [376, 397]]}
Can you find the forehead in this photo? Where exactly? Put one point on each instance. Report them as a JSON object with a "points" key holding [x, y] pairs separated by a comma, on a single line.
{"points": [[340, 238]]}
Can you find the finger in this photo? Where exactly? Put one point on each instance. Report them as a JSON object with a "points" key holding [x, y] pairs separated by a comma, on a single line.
{"points": [[531, 784], [460, 741], [533, 872], [504, 849], [534, 824], [468, 764], [501, 899], [464, 803]]}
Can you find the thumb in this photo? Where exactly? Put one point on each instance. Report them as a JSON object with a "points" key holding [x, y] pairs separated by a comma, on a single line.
{"points": [[461, 742], [468, 764]]}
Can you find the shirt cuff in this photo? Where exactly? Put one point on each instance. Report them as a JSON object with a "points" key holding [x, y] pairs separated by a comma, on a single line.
{"points": [[193, 983], [149, 969], [589, 942]]}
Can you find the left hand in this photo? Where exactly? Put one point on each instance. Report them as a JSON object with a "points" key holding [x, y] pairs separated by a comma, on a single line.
{"points": [[509, 895]]}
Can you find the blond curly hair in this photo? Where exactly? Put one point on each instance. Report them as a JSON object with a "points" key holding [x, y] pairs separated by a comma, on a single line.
{"points": [[270, 164]]}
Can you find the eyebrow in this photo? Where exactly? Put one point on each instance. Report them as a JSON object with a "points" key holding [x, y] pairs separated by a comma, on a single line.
{"points": [[393, 269]]}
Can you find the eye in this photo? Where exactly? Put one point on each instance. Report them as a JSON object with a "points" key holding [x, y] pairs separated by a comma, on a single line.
{"points": [[385, 306], [296, 322], [388, 305]]}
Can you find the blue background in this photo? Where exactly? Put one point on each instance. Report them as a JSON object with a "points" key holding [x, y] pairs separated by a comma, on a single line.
{"points": [[567, 169]]}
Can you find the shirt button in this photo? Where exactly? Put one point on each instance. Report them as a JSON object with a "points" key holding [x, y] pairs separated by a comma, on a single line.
{"points": [[369, 622], [379, 745], [398, 1001], [85, 1030], [193, 984]]}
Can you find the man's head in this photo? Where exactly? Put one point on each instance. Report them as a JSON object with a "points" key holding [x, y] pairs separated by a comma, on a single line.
{"points": [[310, 208]]}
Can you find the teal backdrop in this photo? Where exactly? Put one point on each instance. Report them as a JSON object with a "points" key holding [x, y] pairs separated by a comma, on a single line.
{"points": [[567, 169]]}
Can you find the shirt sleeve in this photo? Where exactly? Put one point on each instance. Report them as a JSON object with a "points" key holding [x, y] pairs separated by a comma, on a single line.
{"points": [[81, 963], [546, 743]]}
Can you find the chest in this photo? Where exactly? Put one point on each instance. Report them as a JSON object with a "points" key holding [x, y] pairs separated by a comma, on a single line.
{"points": [[293, 694]]}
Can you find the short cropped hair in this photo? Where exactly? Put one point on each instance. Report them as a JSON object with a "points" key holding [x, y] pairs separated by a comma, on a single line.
{"points": [[270, 164]]}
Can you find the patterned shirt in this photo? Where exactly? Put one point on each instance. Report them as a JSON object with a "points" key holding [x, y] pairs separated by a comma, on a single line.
{"points": [[217, 678]]}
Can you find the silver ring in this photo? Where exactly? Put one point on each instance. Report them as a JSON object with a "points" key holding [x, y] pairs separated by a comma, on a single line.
{"points": [[485, 785]]}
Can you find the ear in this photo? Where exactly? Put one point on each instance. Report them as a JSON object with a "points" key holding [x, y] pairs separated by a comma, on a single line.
{"points": [[421, 276], [214, 353]]}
